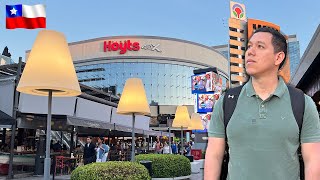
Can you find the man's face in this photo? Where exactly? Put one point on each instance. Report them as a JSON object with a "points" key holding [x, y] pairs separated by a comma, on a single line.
{"points": [[88, 140], [260, 57]]}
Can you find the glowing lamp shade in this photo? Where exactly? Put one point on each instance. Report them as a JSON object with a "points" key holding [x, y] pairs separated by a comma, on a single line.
{"points": [[133, 98], [196, 123], [49, 67], [182, 118]]}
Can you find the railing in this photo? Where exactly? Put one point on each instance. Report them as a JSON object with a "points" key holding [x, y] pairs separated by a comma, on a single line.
{"points": [[66, 137]]}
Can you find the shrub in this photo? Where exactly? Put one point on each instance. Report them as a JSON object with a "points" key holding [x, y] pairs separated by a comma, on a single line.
{"points": [[112, 170], [167, 165]]}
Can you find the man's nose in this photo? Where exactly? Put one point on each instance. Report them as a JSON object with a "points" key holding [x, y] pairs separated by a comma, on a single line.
{"points": [[251, 51]]}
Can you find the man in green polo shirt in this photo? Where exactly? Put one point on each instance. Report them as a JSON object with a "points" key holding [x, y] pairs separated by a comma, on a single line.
{"points": [[263, 135]]}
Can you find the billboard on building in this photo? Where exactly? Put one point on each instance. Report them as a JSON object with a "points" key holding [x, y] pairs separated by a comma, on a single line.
{"points": [[205, 102], [206, 82]]}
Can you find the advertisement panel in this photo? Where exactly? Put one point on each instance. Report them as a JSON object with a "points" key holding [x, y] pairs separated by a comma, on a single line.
{"points": [[206, 82], [205, 102]]}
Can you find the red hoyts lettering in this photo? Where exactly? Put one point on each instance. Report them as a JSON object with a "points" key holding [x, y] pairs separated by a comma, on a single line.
{"points": [[115, 46]]}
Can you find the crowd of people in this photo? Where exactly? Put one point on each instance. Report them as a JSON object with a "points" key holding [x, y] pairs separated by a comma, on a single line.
{"points": [[98, 150], [176, 148]]}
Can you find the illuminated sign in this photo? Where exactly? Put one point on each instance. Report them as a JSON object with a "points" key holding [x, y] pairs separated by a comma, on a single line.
{"points": [[122, 46], [127, 45]]}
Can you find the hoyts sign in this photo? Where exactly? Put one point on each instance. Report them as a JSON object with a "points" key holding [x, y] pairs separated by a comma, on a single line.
{"points": [[123, 47]]}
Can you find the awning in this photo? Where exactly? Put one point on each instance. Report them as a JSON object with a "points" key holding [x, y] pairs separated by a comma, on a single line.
{"points": [[77, 121], [86, 126], [39, 121], [82, 122], [6, 121]]}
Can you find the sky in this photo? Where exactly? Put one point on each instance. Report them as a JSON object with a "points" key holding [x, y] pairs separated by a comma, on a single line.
{"points": [[201, 21]]}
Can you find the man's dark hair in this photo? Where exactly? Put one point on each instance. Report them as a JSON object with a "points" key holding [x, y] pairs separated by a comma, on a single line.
{"points": [[279, 41], [90, 137]]}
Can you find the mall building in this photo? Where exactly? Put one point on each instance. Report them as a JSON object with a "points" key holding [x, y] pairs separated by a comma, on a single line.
{"points": [[165, 65]]}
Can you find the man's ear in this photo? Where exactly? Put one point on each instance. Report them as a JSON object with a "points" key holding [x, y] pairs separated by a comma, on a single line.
{"points": [[279, 58]]}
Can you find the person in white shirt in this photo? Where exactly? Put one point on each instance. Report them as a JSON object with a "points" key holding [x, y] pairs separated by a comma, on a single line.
{"points": [[166, 148]]}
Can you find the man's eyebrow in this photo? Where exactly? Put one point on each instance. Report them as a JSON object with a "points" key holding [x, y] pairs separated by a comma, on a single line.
{"points": [[258, 42], [261, 42]]}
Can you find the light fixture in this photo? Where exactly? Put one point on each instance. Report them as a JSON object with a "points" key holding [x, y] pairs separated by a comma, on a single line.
{"points": [[196, 123], [133, 102], [49, 71], [181, 120]]}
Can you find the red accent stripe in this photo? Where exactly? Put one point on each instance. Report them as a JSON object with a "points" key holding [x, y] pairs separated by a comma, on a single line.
{"points": [[28, 23]]}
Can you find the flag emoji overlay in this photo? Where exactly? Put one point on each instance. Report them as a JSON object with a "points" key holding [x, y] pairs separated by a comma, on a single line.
{"points": [[25, 16]]}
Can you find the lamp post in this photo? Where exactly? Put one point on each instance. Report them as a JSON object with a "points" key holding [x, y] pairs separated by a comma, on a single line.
{"points": [[49, 71], [196, 123], [133, 102], [181, 120]]}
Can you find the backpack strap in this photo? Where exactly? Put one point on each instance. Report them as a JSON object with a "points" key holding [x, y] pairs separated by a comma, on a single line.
{"points": [[229, 104], [297, 104]]}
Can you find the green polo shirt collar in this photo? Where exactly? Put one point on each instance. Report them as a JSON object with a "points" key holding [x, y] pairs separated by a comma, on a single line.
{"points": [[280, 90]]}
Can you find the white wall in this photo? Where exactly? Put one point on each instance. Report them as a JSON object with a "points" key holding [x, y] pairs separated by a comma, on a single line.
{"points": [[141, 122], [39, 104], [7, 95]]}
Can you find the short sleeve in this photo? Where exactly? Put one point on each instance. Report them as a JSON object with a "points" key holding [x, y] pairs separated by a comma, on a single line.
{"points": [[310, 131], [216, 125]]}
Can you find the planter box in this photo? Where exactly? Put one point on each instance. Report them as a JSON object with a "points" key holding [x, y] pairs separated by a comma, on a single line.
{"points": [[195, 167], [173, 178], [201, 162]]}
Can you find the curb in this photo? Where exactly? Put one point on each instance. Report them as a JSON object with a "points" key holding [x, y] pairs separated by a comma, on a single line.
{"points": [[173, 178]]}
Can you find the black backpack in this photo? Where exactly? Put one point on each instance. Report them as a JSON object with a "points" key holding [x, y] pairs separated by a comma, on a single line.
{"points": [[229, 104]]}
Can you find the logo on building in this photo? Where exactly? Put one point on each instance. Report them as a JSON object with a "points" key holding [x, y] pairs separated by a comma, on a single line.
{"points": [[120, 46], [237, 10], [151, 47]]}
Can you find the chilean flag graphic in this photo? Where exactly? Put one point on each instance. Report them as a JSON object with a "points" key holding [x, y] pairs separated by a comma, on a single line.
{"points": [[25, 16]]}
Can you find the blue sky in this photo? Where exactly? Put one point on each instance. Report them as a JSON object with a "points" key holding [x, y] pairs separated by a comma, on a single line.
{"points": [[201, 21]]}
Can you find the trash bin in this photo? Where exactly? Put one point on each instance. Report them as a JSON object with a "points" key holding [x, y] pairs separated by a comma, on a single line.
{"points": [[190, 158], [39, 165], [148, 165], [40, 155]]}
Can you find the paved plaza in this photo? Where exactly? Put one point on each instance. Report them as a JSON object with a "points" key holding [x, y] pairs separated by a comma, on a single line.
{"points": [[198, 176]]}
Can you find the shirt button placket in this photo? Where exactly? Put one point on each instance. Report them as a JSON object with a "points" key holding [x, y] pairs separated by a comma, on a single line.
{"points": [[262, 111]]}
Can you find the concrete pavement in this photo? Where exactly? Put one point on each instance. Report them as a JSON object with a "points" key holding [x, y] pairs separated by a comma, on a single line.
{"points": [[198, 176]]}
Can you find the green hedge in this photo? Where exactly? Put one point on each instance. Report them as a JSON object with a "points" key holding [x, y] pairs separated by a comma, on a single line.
{"points": [[112, 170], [167, 165]]}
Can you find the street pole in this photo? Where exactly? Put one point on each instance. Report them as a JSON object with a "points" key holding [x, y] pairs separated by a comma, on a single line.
{"points": [[182, 145], [170, 138], [132, 142], [14, 115], [47, 160]]}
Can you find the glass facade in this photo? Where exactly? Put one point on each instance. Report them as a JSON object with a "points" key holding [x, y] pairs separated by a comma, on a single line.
{"points": [[294, 55], [165, 84], [225, 53]]}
